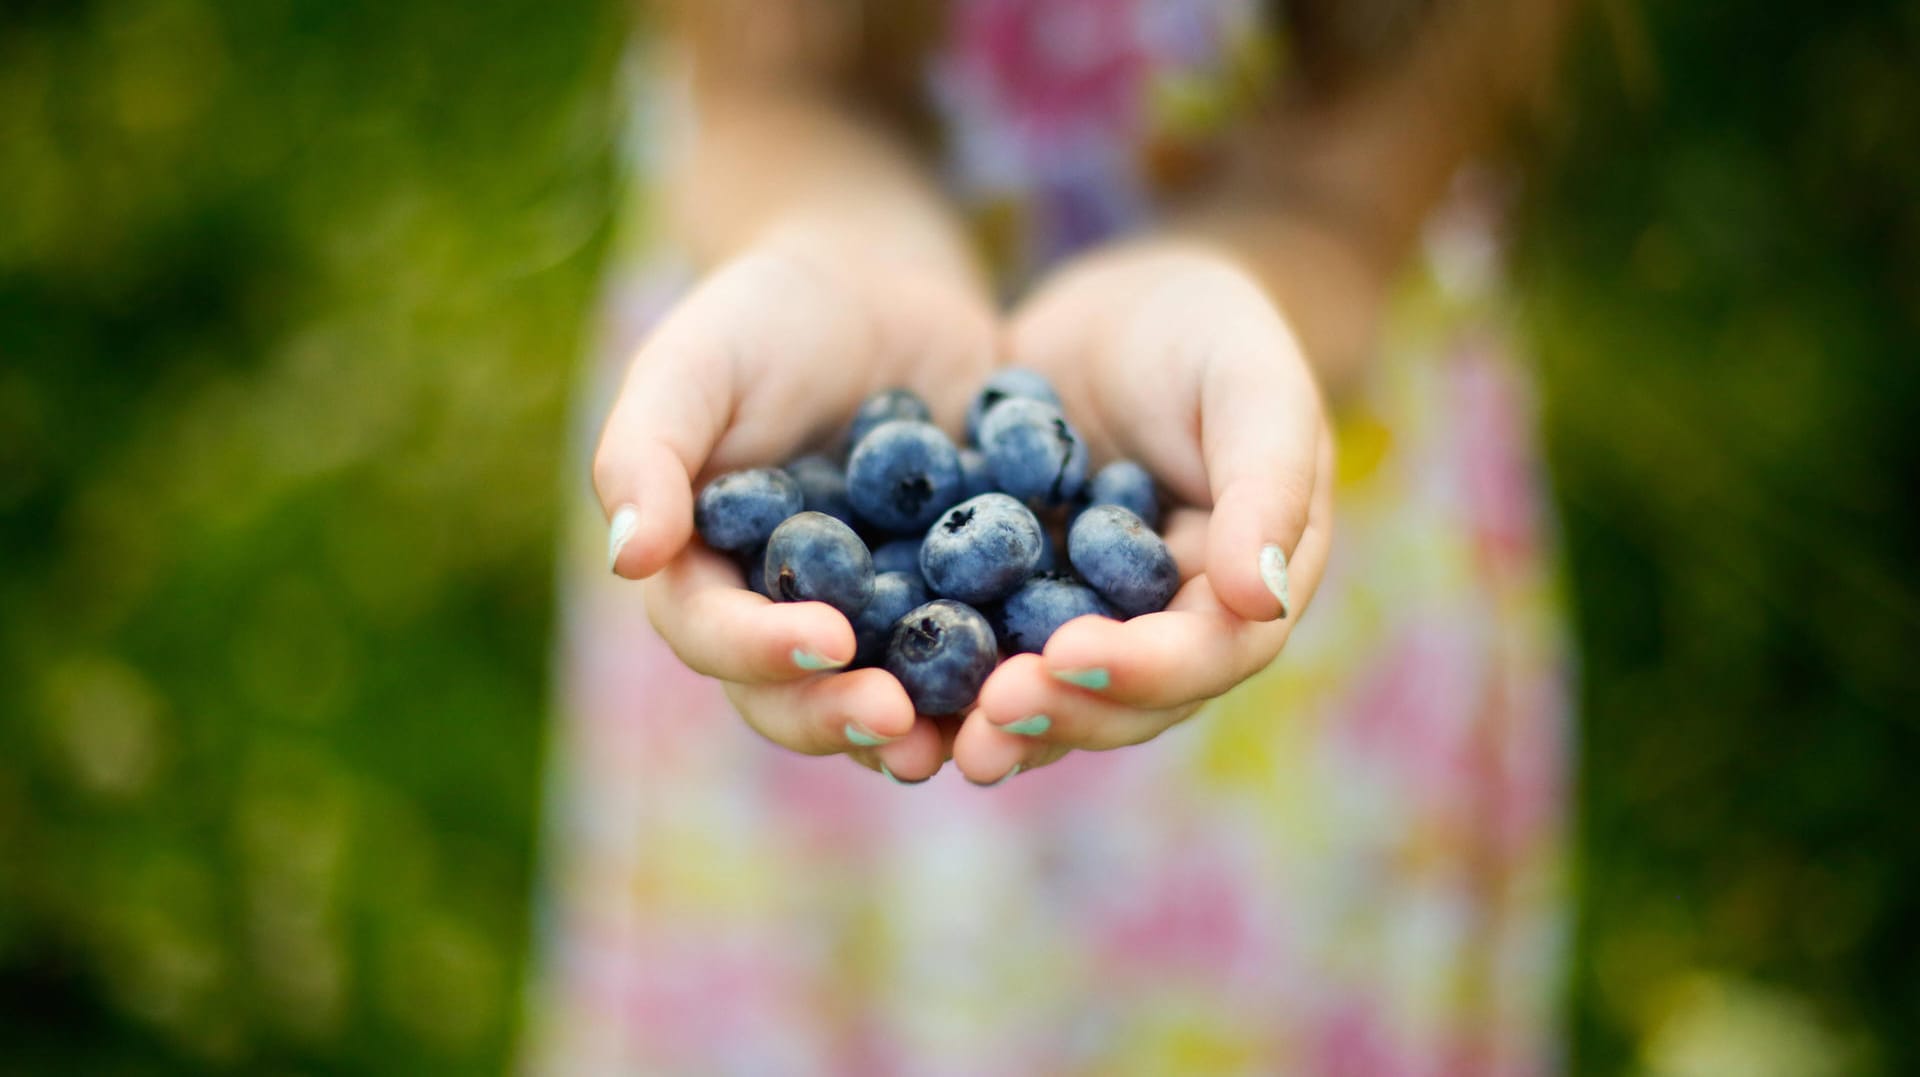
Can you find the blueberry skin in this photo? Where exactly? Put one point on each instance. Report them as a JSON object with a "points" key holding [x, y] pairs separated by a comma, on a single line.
{"points": [[1031, 615], [1015, 382], [738, 510], [903, 475], [823, 486], [976, 477], [982, 550], [898, 555], [1035, 454], [895, 594], [813, 557], [942, 652], [1118, 555], [1128, 485], [753, 565], [886, 406]]}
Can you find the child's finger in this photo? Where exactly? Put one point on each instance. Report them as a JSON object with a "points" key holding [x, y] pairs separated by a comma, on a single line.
{"points": [[988, 755], [1262, 441], [722, 630], [1023, 700], [844, 712], [913, 758], [1194, 650], [661, 431]]}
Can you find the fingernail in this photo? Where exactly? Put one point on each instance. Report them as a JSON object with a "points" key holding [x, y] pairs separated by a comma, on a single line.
{"points": [[1095, 678], [1273, 571], [1030, 727], [863, 737], [898, 780], [1002, 780], [625, 522], [814, 663]]}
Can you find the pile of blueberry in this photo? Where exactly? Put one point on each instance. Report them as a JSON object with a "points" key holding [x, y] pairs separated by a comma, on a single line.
{"points": [[944, 558]]}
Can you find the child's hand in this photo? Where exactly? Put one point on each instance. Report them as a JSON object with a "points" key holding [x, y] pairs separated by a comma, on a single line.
{"points": [[765, 358], [1174, 357]]}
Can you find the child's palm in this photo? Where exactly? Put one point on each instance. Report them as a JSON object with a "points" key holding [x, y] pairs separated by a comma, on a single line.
{"points": [[1178, 360], [765, 358]]}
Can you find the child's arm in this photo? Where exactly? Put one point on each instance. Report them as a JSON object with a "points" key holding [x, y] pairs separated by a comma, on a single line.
{"points": [[776, 148], [831, 270], [1327, 194]]}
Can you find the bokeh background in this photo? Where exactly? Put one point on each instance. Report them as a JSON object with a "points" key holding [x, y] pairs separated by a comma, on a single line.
{"points": [[289, 295]]}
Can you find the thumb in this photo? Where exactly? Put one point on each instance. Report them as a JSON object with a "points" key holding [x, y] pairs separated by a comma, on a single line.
{"points": [[1262, 436], [659, 435]]}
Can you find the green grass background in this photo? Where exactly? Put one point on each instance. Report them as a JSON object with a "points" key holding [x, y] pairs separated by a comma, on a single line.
{"points": [[289, 295]]}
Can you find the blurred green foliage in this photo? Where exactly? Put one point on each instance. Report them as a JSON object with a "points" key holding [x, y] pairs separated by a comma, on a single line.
{"points": [[289, 292], [1723, 260]]}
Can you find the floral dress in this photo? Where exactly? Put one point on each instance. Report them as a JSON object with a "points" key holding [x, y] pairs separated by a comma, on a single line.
{"points": [[1353, 864]]}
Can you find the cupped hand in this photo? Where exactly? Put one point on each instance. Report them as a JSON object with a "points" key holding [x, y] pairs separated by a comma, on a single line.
{"points": [[766, 358], [1173, 356]]}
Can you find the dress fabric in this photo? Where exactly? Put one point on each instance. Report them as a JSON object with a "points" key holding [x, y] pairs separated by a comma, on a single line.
{"points": [[1353, 864]]}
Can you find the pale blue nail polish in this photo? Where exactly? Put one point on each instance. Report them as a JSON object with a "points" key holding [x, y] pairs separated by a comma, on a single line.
{"points": [[1095, 678], [813, 663], [1030, 727], [895, 779], [861, 737]]}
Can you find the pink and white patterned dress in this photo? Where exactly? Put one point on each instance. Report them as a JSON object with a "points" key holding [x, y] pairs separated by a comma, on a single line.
{"points": [[1354, 864]]}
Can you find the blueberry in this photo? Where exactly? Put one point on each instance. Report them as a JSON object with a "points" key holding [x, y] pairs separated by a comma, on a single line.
{"points": [[1126, 484], [1031, 615], [1034, 452], [813, 557], [899, 555], [942, 652], [982, 549], [753, 565], [738, 510], [1011, 383], [976, 477], [903, 475], [823, 486], [894, 595], [1118, 555], [886, 406]]}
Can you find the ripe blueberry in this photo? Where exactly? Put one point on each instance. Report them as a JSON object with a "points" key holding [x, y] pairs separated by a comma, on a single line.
{"points": [[813, 557], [903, 475], [942, 653], [982, 549], [753, 565], [898, 555], [894, 594], [1119, 556], [1006, 384], [823, 486], [976, 477], [886, 406], [1034, 453], [738, 510], [1126, 484], [1032, 614]]}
